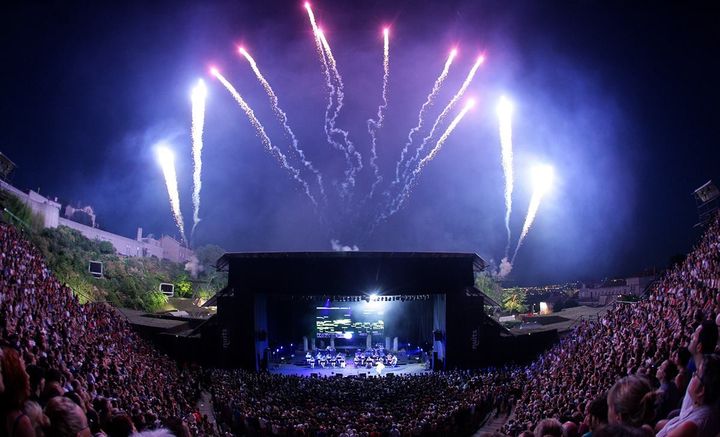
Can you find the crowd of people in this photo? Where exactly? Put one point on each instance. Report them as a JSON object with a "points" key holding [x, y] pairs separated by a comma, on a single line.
{"points": [[447, 403], [55, 350], [655, 340], [643, 368]]}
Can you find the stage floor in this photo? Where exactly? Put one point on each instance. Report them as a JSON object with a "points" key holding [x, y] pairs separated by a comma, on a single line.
{"points": [[293, 369]]}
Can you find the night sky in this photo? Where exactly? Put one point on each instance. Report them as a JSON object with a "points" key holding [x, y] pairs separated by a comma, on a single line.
{"points": [[622, 101]]}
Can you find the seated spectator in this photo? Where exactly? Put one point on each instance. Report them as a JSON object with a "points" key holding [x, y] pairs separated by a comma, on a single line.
{"points": [[570, 429], [16, 389], [39, 420], [631, 402], [681, 359], [597, 415], [66, 419], [702, 417], [549, 427], [620, 430], [121, 425], [668, 393]]}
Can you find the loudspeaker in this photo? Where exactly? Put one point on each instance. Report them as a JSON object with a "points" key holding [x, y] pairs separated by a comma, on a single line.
{"points": [[436, 364], [438, 335]]}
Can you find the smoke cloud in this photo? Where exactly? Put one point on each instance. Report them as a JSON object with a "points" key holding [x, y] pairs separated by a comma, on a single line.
{"points": [[337, 247], [193, 266], [505, 268]]}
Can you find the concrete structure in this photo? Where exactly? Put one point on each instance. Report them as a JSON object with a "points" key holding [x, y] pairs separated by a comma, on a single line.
{"points": [[165, 248], [634, 286], [48, 209]]}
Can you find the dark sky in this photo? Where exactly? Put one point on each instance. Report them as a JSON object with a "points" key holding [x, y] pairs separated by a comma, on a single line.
{"points": [[621, 100]]}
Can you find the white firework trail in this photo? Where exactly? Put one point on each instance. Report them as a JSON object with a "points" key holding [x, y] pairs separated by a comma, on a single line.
{"points": [[263, 136], [328, 81], [505, 111], [198, 98], [352, 155], [375, 125], [405, 192], [282, 116], [543, 178], [444, 114], [316, 33], [167, 163], [421, 116]]}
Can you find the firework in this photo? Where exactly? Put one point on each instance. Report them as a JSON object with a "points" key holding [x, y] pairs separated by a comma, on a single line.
{"points": [[428, 101], [167, 163], [352, 156], [197, 97], [375, 125], [543, 176], [260, 130], [282, 116], [405, 192], [504, 112], [445, 112]]}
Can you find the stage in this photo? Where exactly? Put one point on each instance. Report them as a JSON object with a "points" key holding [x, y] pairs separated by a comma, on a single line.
{"points": [[350, 370]]}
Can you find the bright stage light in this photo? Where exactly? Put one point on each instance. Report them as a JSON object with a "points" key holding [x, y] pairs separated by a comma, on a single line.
{"points": [[543, 176], [545, 308], [373, 297], [386, 31], [214, 71], [453, 52], [347, 335]]}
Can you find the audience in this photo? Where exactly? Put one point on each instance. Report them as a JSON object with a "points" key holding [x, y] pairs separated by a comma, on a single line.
{"points": [[94, 376], [60, 351], [447, 403]]}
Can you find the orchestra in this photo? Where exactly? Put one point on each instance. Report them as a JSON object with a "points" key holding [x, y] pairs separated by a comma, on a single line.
{"points": [[375, 358]]}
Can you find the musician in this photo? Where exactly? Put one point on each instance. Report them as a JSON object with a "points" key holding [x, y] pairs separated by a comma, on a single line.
{"points": [[392, 360]]}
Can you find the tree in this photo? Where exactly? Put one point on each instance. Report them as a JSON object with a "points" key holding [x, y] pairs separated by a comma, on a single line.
{"points": [[183, 286], [488, 285], [154, 301], [208, 256], [514, 300]]}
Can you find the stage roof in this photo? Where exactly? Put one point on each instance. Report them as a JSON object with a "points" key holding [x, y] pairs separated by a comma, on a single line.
{"points": [[350, 273]]}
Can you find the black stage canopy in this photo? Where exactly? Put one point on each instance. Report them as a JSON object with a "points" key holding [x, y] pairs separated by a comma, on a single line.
{"points": [[350, 273]]}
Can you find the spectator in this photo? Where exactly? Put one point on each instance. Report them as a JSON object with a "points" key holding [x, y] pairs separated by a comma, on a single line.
{"points": [[16, 386], [631, 402], [66, 419], [597, 415], [668, 393], [702, 417], [549, 427]]}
